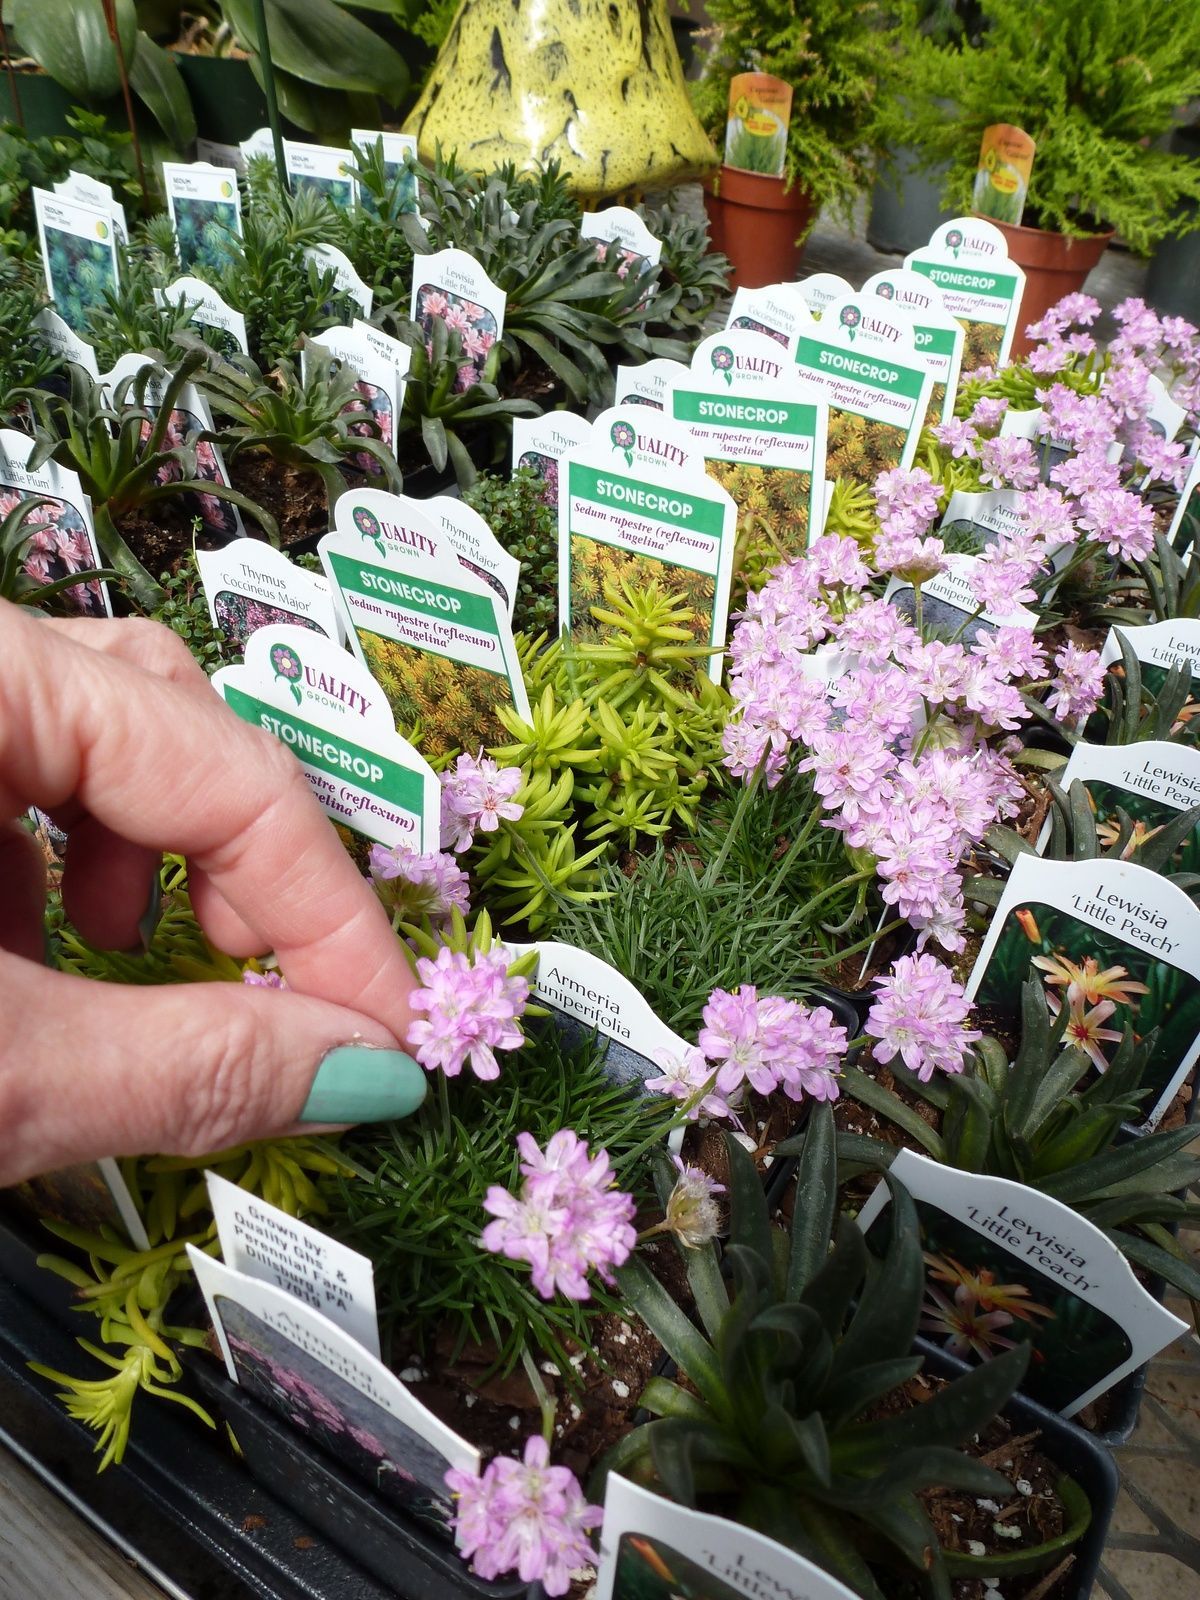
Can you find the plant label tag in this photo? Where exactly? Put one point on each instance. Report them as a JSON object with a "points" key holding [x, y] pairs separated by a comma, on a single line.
{"points": [[653, 1549], [778, 311], [645, 385], [617, 523], [267, 1244], [387, 349], [821, 290], [949, 603], [346, 281], [982, 517], [321, 169], [205, 210], [863, 358], [477, 547], [379, 388], [639, 249], [222, 327], [967, 259], [91, 192], [92, 1196], [304, 1367], [398, 152], [1151, 781], [540, 443], [189, 418], [1159, 646], [250, 585], [1031, 424], [756, 129], [1185, 524], [586, 995], [1006, 1263], [1114, 942], [78, 245], [434, 637], [761, 430], [259, 146], [67, 346], [451, 288], [326, 708], [218, 154], [644, 441], [61, 535], [1002, 177], [940, 336]]}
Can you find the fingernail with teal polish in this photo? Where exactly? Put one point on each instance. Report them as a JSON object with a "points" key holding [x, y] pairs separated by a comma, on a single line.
{"points": [[356, 1083], [149, 919]]}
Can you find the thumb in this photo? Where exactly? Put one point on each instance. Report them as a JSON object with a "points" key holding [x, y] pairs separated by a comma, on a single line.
{"points": [[93, 1069]]}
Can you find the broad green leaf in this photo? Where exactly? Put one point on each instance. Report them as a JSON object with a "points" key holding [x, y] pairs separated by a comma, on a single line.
{"points": [[70, 40], [870, 1092], [676, 1333], [156, 79], [749, 1221], [316, 42]]}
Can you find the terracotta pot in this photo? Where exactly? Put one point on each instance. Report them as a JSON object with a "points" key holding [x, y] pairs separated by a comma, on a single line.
{"points": [[758, 225], [1054, 265]]}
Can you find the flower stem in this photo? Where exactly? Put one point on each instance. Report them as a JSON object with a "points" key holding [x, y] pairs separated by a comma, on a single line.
{"points": [[863, 944], [744, 799], [794, 849], [544, 1398]]}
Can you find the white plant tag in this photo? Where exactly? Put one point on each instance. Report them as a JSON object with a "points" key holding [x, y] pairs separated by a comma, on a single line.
{"points": [[967, 259], [640, 249], [1151, 781], [646, 385], [940, 337], [398, 150], [250, 585], [777, 312], [66, 542], [65, 344], [948, 602], [1159, 646], [91, 192], [210, 312], [821, 290], [78, 245], [645, 440], [380, 391], [1185, 524], [328, 258], [321, 169], [451, 287], [477, 547], [540, 443], [205, 210]]}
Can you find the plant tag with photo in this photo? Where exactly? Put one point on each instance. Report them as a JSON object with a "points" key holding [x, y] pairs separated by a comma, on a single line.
{"points": [[66, 345], [91, 192], [1115, 943], [225, 327], [346, 281], [65, 538], [378, 385], [190, 416], [540, 443], [940, 337], [250, 585], [434, 637], [645, 385], [820, 291], [967, 259], [92, 1196], [78, 244], [300, 1364], [451, 287], [761, 430], [863, 358], [1002, 176], [205, 210], [1185, 524], [1159, 646], [586, 995], [320, 702], [477, 547], [266, 1243], [399, 152], [653, 1549], [621, 523], [756, 129], [1005, 1263], [778, 311], [322, 170], [948, 603], [640, 249], [1152, 781]]}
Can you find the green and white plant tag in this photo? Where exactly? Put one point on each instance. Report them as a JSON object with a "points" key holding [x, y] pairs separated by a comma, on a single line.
{"points": [[321, 169], [435, 638], [645, 385], [209, 311], [346, 281], [248, 584], [378, 379], [1151, 781], [540, 443], [91, 192], [406, 532], [967, 259], [270, 1246], [399, 151], [821, 290], [1056, 915], [315, 1375], [619, 521], [477, 547], [68, 543], [316, 699], [1185, 524], [1159, 646], [586, 995], [948, 603], [761, 430], [640, 249], [78, 245], [653, 1549], [1005, 1263], [863, 358], [66, 343], [778, 311], [940, 337], [205, 210], [452, 288]]}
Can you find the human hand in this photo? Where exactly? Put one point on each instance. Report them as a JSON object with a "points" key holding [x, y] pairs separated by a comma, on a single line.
{"points": [[112, 729]]}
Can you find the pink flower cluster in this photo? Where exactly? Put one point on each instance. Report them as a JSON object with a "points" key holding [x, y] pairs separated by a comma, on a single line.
{"points": [[471, 1011], [419, 886], [919, 1013], [476, 796], [567, 1220], [771, 1043], [525, 1517]]}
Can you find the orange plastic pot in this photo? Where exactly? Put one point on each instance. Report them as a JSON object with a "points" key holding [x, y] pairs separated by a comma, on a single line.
{"points": [[758, 224], [1054, 265]]}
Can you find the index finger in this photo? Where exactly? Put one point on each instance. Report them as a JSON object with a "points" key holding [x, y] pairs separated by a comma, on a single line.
{"points": [[173, 770]]}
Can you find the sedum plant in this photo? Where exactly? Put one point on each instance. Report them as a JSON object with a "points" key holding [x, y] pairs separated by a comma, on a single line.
{"points": [[774, 1428]]}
